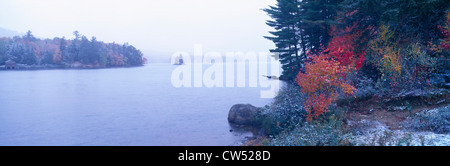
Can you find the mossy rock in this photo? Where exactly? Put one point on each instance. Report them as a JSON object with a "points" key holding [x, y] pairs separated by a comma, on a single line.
{"points": [[243, 114]]}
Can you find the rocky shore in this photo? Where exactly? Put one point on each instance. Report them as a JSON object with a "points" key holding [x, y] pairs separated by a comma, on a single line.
{"points": [[411, 119]]}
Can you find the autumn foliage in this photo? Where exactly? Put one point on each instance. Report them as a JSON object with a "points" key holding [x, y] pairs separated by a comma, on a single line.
{"points": [[325, 76], [322, 82], [342, 48], [445, 43], [60, 52]]}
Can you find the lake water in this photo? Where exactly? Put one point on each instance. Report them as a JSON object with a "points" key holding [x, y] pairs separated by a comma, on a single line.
{"points": [[123, 106]]}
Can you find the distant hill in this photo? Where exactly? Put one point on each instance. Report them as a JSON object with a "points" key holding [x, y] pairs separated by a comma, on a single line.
{"points": [[8, 33]]}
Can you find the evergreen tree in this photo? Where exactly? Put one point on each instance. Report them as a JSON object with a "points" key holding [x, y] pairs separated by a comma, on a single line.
{"points": [[62, 48], [410, 19], [48, 58], [85, 51], [29, 36], [285, 22], [4, 44], [300, 25], [33, 51], [133, 56], [94, 51], [317, 18], [74, 49], [366, 18], [29, 54]]}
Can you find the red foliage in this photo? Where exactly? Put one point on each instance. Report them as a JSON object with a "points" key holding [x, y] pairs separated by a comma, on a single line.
{"points": [[325, 75], [360, 61], [317, 105], [144, 60], [322, 81], [342, 48], [446, 32], [446, 43]]}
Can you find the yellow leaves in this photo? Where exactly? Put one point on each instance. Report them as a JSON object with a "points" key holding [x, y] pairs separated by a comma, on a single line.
{"points": [[400, 63], [385, 34], [434, 48], [391, 62], [385, 55], [381, 45], [347, 88]]}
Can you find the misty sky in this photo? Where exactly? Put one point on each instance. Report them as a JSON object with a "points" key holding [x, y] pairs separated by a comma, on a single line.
{"points": [[157, 27]]}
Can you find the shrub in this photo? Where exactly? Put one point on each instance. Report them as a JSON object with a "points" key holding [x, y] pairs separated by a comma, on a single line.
{"points": [[342, 47], [285, 112], [445, 30], [402, 66], [324, 79], [436, 120], [418, 66], [325, 132], [365, 86]]}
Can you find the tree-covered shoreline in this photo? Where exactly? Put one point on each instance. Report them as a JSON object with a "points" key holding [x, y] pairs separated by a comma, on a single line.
{"points": [[359, 72], [30, 52], [329, 47]]}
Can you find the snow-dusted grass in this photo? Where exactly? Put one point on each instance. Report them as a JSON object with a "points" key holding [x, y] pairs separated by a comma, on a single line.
{"points": [[434, 120], [328, 131], [373, 134], [285, 112], [380, 135], [285, 119]]}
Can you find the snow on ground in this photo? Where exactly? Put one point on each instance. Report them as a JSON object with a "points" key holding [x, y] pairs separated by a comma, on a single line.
{"points": [[380, 135]]}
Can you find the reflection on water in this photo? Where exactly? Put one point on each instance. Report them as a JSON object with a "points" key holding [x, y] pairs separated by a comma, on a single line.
{"points": [[126, 106]]}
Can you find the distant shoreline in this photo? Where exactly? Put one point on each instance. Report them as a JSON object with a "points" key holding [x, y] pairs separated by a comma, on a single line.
{"points": [[22, 67]]}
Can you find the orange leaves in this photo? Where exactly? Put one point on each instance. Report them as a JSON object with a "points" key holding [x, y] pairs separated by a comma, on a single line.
{"points": [[325, 75], [323, 80], [317, 104], [387, 56], [391, 61], [347, 88], [317, 74]]}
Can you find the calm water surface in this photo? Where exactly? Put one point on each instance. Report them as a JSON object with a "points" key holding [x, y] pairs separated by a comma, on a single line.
{"points": [[125, 106]]}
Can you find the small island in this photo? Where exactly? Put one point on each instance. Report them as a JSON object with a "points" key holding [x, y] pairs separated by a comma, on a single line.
{"points": [[30, 53], [179, 60]]}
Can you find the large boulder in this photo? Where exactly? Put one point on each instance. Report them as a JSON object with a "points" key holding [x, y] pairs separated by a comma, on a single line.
{"points": [[242, 114]]}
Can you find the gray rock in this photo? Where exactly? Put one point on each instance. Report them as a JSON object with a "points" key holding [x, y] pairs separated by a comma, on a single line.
{"points": [[242, 114]]}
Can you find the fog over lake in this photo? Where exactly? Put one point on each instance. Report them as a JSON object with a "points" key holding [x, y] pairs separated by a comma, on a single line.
{"points": [[128, 106], [123, 106], [157, 27]]}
